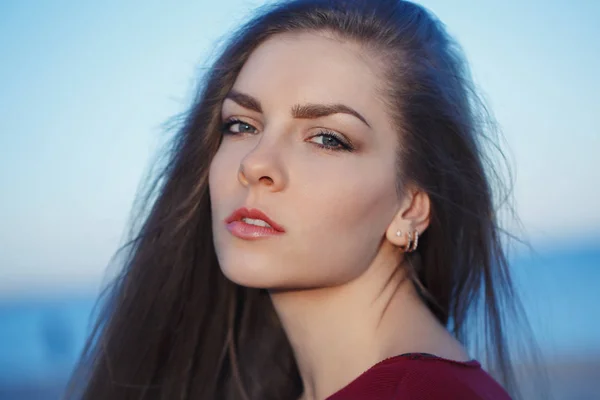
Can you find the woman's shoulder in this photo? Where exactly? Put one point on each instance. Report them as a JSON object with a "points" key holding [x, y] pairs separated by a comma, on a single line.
{"points": [[422, 376]]}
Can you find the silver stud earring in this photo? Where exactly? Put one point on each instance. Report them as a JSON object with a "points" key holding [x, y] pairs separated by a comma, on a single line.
{"points": [[398, 233]]}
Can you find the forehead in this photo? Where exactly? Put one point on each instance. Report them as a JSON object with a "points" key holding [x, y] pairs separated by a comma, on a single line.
{"points": [[310, 67]]}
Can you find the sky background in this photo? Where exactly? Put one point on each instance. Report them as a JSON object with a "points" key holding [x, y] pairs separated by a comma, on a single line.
{"points": [[86, 86]]}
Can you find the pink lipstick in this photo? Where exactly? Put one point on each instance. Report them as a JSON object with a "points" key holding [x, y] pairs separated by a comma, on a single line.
{"points": [[252, 224]]}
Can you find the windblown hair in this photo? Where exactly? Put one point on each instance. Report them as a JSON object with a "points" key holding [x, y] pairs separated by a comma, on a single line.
{"points": [[173, 327]]}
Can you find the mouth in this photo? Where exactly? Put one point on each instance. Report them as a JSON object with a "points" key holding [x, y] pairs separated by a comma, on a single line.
{"points": [[252, 224]]}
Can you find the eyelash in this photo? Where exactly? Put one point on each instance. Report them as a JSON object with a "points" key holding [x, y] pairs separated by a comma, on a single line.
{"points": [[344, 145]]}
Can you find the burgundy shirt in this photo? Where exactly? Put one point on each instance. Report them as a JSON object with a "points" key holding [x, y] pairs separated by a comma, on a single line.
{"points": [[418, 376]]}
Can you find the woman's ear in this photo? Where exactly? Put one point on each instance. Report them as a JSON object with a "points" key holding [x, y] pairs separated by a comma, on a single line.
{"points": [[413, 214]]}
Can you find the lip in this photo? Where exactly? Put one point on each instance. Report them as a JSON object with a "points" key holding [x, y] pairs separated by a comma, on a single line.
{"points": [[239, 228]]}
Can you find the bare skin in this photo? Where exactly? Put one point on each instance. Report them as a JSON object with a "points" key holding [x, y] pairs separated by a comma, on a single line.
{"points": [[336, 274]]}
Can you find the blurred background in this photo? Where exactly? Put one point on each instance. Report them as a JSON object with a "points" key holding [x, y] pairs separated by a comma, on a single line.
{"points": [[85, 88]]}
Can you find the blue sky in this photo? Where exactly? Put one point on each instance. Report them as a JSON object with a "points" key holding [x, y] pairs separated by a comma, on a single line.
{"points": [[84, 89]]}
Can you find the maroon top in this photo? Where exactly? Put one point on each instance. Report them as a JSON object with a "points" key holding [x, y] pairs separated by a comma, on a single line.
{"points": [[419, 376]]}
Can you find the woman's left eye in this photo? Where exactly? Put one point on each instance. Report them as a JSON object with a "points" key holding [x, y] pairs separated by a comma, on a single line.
{"points": [[331, 141]]}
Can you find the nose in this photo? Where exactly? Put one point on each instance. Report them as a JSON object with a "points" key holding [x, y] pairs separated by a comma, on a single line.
{"points": [[263, 167]]}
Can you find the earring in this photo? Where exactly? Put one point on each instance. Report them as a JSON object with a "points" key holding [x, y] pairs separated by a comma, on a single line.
{"points": [[416, 242], [412, 243], [407, 248], [398, 233]]}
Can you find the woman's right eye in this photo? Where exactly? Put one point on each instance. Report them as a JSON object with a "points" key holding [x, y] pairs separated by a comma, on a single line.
{"points": [[236, 126]]}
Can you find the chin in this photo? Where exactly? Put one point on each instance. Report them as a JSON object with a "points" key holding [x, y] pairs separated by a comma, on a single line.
{"points": [[264, 276], [282, 285], [250, 274]]}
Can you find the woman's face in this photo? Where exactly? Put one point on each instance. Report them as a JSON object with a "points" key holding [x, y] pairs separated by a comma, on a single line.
{"points": [[308, 142]]}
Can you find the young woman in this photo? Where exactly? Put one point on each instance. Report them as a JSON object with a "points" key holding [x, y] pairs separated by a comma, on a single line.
{"points": [[324, 228]]}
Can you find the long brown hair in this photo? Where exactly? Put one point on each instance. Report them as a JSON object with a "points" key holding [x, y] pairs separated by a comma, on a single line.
{"points": [[173, 327]]}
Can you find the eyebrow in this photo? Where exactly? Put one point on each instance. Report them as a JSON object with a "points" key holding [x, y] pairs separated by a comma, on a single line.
{"points": [[244, 100], [308, 111]]}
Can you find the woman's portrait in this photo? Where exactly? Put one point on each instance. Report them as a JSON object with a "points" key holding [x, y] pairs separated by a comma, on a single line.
{"points": [[330, 216]]}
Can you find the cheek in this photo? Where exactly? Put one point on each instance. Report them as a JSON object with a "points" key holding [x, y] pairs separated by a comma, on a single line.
{"points": [[215, 169], [342, 223], [220, 186], [220, 191], [221, 175], [351, 197]]}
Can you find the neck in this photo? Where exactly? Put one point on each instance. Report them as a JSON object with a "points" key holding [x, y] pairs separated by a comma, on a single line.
{"points": [[339, 332]]}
